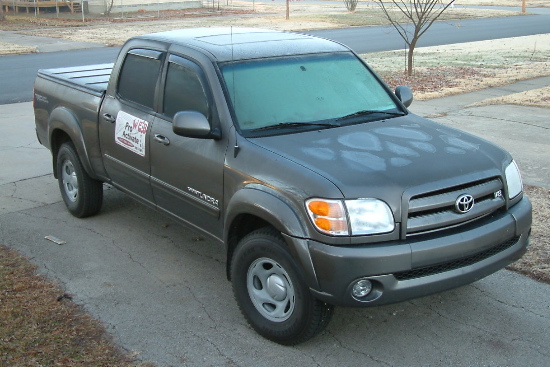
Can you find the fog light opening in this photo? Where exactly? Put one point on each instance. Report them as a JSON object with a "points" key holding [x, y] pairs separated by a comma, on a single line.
{"points": [[361, 288]]}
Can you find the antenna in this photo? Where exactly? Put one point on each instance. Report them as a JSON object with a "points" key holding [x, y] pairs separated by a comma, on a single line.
{"points": [[233, 69], [236, 148]]}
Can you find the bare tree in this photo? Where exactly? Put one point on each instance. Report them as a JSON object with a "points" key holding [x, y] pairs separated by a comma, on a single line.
{"points": [[351, 5], [287, 9], [411, 19], [2, 17], [109, 7]]}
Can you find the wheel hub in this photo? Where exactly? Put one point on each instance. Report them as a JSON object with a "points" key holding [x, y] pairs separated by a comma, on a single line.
{"points": [[276, 287], [270, 289], [70, 181]]}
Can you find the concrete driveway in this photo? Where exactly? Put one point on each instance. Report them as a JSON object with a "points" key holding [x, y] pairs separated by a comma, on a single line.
{"points": [[161, 291]]}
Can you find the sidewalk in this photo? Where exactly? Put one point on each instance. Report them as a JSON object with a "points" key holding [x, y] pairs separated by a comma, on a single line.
{"points": [[454, 103], [521, 130], [45, 44]]}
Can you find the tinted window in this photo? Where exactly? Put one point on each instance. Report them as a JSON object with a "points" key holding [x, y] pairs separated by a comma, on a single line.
{"points": [[139, 75], [184, 89]]}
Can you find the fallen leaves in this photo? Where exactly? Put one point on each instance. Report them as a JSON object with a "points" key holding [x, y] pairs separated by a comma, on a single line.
{"points": [[536, 262], [435, 79], [40, 325]]}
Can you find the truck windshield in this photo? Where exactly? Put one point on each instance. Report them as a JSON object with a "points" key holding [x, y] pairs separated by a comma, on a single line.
{"points": [[305, 92]]}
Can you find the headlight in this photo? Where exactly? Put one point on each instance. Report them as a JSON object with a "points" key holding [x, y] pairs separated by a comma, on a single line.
{"points": [[355, 217], [513, 180], [369, 216]]}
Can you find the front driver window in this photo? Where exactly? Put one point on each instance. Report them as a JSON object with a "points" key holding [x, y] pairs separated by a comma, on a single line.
{"points": [[184, 89]]}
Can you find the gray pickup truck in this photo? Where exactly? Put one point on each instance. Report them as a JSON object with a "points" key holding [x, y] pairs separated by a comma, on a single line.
{"points": [[291, 152]]}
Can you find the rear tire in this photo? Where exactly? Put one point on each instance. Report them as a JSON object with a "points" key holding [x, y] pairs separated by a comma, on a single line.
{"points": [[82, 195], [271, 293]]}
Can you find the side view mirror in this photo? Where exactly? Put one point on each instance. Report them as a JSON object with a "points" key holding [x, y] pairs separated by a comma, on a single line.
{"points": [[193, 124], [404, 94]]}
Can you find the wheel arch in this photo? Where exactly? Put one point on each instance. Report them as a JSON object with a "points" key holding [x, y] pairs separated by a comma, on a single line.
{"points": [[253, 208], [64, 126]]}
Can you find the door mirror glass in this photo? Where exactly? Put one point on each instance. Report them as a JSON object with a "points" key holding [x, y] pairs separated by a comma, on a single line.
{"points": [[404, 94]]}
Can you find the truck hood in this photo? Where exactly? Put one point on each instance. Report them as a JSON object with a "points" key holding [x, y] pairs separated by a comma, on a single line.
{"points": [[385, 158]]}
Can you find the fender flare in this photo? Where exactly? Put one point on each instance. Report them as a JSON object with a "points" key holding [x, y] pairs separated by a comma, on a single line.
{"points": [[65, 120], [269, 205]]}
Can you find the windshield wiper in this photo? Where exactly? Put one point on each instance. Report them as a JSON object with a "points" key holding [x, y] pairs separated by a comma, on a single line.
{"points": [[284, 125], [370, 112]]}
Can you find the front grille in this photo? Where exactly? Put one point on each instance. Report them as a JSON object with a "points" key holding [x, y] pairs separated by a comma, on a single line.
{"points": [[436, 210], [455, 264]]}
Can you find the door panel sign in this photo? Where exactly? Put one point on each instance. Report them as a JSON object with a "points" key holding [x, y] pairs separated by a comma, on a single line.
{"points": [[131, 132]]}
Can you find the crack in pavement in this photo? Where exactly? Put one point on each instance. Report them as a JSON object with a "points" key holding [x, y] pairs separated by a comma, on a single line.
{"points": [[459, 321], [473, 114], [28, 178], [190, 250], [228, 360], [490, 333], [491, 296], [309, 355], [365, 354], [202, 306]]}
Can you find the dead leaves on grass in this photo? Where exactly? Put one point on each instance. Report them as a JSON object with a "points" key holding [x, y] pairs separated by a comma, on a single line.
{"points": [[430, 80], [536, 262], [37, 329]]}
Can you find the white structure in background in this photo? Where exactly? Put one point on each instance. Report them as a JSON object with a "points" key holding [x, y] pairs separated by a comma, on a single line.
{"points": [[101, 6]]}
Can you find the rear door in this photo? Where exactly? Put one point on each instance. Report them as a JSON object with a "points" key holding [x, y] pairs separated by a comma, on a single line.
{"points": [[125, 123], [187, 173]]}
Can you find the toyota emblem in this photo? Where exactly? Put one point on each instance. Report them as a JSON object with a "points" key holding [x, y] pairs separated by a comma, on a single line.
{"points": [[464, 203]]}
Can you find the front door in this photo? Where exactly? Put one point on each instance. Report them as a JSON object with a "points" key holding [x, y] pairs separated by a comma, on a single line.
{"points": [[187, 173]]}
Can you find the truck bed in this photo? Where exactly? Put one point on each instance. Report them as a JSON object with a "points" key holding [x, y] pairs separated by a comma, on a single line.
{"points": [[91, 78]]}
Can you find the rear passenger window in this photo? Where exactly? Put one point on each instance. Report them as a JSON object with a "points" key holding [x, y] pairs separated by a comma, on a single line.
{"points": [[185, 88], [139, 75]]}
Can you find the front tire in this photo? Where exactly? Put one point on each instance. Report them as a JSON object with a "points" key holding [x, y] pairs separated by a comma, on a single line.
{"points": [[271, 292], [82, 195]]}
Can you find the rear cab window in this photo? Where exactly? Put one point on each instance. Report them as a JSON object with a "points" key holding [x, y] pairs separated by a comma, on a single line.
{"points": [[139, 77]]}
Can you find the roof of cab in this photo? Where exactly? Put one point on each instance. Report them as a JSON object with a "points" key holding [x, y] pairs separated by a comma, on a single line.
{"points": [[228, 44]]}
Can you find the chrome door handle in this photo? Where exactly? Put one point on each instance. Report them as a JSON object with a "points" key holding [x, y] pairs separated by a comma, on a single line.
{"points": [[162, 139], [109, 118]]}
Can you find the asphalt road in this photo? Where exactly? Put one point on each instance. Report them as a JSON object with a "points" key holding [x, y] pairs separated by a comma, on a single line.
{"points": [[374, 39], [17, 73]]}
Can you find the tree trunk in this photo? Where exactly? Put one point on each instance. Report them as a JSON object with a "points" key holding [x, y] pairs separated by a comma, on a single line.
{"points": [[410, 56], [287, 9], [410, 62], [2, 17]]}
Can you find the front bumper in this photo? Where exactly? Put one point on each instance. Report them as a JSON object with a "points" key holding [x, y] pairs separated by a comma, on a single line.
{"points": [[423, 265]]}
